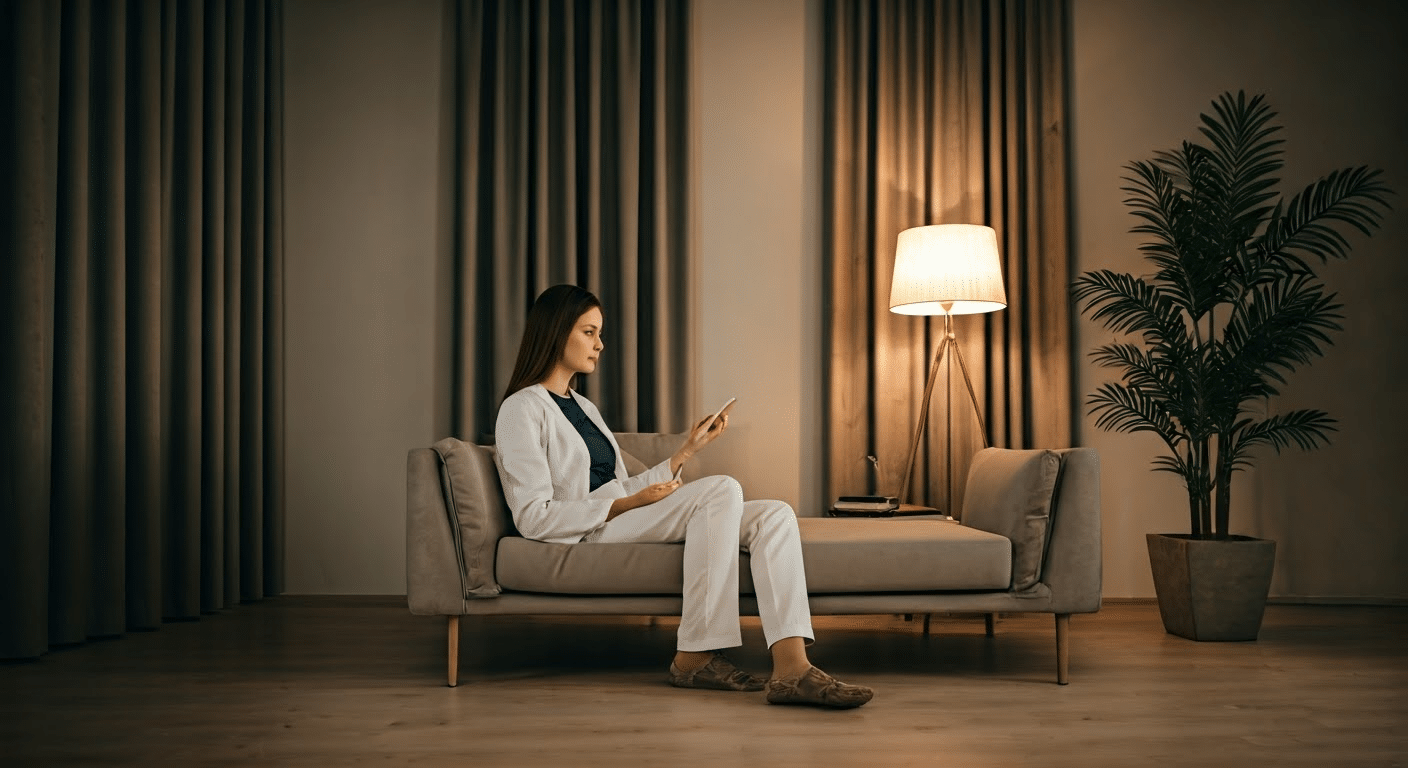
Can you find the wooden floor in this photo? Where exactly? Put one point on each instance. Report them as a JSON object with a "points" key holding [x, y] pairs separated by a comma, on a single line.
{"points": [[328, 681]]}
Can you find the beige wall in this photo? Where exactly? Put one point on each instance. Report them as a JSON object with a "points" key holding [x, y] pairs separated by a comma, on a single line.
{"points": [[361, 169], [757, 274], [1142, 72], [365, 307]]}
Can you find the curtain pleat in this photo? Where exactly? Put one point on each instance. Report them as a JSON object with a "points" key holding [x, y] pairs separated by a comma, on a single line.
{"points": [[268, 123], [571, 154], [212, 300], [74, 389], [105, 604], [934, 113], [139, 404], [147, 444]]}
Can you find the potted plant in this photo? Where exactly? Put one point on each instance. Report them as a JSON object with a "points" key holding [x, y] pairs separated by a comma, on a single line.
{"points": [[1232, 307]]}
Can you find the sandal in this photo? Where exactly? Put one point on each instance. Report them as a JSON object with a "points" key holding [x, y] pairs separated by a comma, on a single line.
{"points": [[817, 688], [717, 674]]}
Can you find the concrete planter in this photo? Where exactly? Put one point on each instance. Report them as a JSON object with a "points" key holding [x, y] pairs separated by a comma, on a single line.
{"points": [[1211, 589]]}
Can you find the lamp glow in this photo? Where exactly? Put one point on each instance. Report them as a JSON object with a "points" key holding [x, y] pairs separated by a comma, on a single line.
{"points": [[947, 269]]}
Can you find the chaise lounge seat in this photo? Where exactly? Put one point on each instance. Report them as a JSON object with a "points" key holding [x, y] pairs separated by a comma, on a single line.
{"points": [[1029, 541]]}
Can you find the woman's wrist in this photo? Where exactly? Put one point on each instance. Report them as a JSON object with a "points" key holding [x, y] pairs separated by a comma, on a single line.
{"points": [[679, 460], [618, 506]]}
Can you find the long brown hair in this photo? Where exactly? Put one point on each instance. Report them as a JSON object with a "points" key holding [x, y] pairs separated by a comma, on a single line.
{"points": [[550, 321]]}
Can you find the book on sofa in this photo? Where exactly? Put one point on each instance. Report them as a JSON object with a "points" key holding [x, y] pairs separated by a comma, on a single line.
{"points": [[865, 505]]}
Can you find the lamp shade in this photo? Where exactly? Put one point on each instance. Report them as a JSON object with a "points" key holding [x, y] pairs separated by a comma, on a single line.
{"points": [[947, 269]]}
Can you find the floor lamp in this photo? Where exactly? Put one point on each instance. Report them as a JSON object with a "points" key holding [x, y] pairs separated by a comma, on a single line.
{"points": [[946, 269]]}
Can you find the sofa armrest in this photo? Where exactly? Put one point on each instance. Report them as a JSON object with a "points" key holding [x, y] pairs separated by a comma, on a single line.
{"points": [[434, 574], [1072, 567]]}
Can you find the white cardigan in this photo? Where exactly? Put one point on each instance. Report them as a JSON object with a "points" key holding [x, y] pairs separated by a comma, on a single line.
{"points": [[546, 470]]}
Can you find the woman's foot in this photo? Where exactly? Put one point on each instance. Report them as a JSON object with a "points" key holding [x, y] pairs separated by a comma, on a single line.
{"points": [[817, 688], [718, 674]]}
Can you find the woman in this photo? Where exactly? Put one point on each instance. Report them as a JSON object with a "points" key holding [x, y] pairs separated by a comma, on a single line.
{"points": [[565, 482]]}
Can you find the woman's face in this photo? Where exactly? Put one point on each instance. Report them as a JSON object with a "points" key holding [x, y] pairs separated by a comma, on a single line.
{"points": [[584, 343]]}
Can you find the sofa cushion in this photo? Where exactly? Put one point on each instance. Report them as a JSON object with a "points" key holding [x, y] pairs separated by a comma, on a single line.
{"points": [[634, 466], [846, 555], [475, 501], [1009, 493], [594, 569], [840, 556]]}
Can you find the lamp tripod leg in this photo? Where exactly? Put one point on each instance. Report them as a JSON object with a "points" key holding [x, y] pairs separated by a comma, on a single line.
{"points": [[948, 422], [982, 424], [941, 356], [923, 418], [972, 395]]}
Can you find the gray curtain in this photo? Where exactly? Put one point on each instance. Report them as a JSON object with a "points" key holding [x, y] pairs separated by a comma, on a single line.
{"points": [[943, 112], [571, 151], [141, 318]]}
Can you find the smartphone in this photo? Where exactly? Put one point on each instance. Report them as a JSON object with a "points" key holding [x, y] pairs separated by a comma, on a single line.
{"points": [[723, 409]]}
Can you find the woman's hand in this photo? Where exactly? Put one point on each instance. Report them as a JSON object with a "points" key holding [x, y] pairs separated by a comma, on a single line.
{"points": [[702, 434], [653, 493], [645, 496]]}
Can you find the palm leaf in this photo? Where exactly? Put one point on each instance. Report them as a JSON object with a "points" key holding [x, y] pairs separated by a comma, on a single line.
{"points": [[1306, 429], [1158, 200], [1352, 196], [1245, 154], [1127, 304], [1172, 376], [1141, 368], [1279, 326], [1121, 408], [1172, 463], [1188, 254]]}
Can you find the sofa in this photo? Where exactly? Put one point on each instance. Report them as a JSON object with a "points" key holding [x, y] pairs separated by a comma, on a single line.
{"points": [[1028, 540]]}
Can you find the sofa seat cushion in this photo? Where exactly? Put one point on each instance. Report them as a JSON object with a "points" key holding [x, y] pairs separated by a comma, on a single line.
{"points": [[841, 556], [592, 569], [853, 555]]}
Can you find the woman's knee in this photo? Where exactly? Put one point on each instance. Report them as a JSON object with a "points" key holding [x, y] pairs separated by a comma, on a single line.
{"points": [[771, 515], [721, 498], [724, 488]]}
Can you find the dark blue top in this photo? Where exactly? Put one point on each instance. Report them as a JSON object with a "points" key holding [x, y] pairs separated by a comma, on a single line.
{"points": [[603, 455]]}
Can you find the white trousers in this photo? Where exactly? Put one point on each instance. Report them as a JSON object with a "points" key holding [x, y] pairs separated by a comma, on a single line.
{"points": [[714, 522]]}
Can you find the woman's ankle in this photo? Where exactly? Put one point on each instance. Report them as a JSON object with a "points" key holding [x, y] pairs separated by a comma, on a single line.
{"points": [[789, 658], [789, 671], [690, 660]]}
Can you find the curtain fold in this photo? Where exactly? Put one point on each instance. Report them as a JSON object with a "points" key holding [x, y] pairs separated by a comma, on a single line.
{"points": [[944, 112], [141, 387], [571, 132]]}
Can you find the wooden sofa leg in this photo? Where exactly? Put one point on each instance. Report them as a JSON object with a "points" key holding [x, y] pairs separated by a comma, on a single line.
{"points": [[1063, 648], [454, 642], [926, 625], [990, 624]]}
